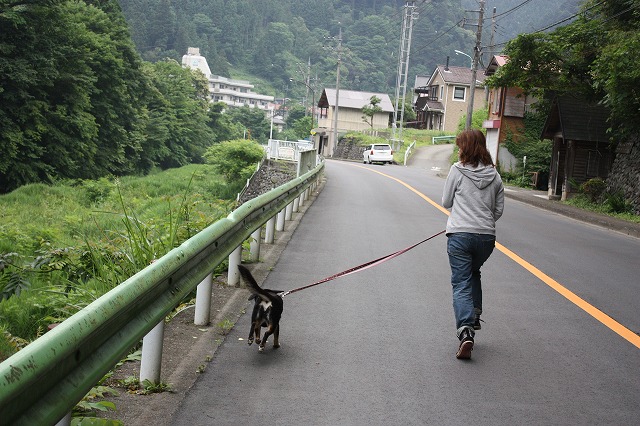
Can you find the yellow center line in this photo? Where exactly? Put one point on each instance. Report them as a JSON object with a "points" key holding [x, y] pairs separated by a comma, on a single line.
{"points": [[596, 313]]}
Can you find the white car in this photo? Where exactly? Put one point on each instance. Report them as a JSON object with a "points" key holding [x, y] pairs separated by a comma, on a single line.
{"points": [[378, 153]]}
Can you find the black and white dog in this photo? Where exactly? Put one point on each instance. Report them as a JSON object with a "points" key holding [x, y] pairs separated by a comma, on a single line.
{"points": [[267, 310]]}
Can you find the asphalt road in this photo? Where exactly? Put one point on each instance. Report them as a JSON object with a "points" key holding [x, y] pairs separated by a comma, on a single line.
{"points": [[559, 344]]}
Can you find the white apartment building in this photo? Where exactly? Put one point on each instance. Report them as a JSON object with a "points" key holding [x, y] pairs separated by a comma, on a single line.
{"points": [[234, 93]]}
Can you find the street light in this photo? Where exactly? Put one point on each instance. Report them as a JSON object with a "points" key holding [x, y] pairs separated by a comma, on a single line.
{"points": [[313, 105], [468, 56]]}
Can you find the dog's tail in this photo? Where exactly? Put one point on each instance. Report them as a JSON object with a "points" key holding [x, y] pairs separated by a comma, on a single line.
{"points": [[253, 286]]}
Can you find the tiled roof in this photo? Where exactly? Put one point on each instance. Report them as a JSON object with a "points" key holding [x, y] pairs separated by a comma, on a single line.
{"points": [[577, 120], [496, 62], [459, 75], [423, 103]]}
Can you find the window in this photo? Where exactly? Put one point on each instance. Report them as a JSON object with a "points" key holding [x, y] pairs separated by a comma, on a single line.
{"points": [[458, 93]]}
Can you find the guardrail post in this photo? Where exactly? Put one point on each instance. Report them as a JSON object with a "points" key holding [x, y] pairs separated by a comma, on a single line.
{"points": [[301, 198], [288, 211], [296, 205], [280, 221], [254, 245], [203, 301], [151, 361], [269, 233], [117, 320], [233, 276]]}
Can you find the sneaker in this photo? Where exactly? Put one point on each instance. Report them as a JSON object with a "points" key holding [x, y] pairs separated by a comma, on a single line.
{"points": [[476, 320], [466, 345], [476, 323]]}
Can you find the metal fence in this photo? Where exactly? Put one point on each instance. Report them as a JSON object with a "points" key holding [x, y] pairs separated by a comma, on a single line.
{"points": [[41, 384], [287, 150]]}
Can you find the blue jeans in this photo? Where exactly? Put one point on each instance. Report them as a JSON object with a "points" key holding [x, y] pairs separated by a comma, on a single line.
{"points": [[467, 253]]}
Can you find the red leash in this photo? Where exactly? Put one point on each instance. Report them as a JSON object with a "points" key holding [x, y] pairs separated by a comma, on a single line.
{"points": [[360, 267]]}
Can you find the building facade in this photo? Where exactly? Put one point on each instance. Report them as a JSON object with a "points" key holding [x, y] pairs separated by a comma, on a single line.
{"points": [[443, 100], [507, 107], [235, 93], [350, 104]]}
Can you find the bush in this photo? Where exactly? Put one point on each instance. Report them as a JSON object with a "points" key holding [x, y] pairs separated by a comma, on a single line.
{"points": [[593, 188], [235, 159], [97, 190], [616, 203], [526, 142], [477, 118]]}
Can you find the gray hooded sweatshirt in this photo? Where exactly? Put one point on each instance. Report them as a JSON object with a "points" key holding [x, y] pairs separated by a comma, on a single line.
{"points": [[475, 196]]}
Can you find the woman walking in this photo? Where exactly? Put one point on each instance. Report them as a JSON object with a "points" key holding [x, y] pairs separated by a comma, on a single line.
{"points": [[475, 194]]}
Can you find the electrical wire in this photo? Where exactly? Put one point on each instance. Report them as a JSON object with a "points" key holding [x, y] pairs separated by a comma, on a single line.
{"points": [[564, 20], [503, 14]]}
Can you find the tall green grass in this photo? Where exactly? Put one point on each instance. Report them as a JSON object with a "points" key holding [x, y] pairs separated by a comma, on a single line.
{"points": [[63, 246]]}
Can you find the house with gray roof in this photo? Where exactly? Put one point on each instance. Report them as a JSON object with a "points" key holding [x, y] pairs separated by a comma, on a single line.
{"points": [[350, 104], [443, 98]]}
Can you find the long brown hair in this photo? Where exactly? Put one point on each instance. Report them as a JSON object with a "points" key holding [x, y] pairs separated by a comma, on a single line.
{"points": [[473, 148]]}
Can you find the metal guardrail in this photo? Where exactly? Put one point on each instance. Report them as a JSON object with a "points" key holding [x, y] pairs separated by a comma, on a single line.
{"points": [[434, 139], [41, 383], [408, 152], [287, 150]]}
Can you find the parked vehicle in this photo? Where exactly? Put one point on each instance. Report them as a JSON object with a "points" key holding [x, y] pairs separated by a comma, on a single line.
{"points": [[378, 153]]}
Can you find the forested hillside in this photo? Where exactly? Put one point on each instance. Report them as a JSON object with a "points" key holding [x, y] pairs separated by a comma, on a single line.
{"points": [[275, 39], [94, 88]]}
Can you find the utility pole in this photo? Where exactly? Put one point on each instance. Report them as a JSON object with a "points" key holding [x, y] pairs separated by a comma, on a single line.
{"points": [[308, 75], [474, 68], [335, 111], [493, 34], [403, 67]]}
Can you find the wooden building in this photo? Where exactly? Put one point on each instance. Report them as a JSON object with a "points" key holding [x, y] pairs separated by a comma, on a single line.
{"points": [[581, 146]]}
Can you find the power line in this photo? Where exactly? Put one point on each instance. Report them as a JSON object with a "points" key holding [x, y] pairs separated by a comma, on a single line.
{"points": [[511, 10], [564, 20], [457, 24]]}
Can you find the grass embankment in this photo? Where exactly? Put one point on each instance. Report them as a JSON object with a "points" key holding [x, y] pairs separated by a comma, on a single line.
{"points": [[64, 245]]}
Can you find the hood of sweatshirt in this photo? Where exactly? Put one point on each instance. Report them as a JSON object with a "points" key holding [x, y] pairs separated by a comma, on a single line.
{"points": [[481, 176]]}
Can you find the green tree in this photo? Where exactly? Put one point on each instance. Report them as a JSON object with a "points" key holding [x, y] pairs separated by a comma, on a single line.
{"points": [[253, 120], [178, 115], [294, 114], [68, 101], [235, 159], [116, 101], [477, 118], [298, 129], [370, 110], [272, 54], [221, 125], [597, 56]]}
